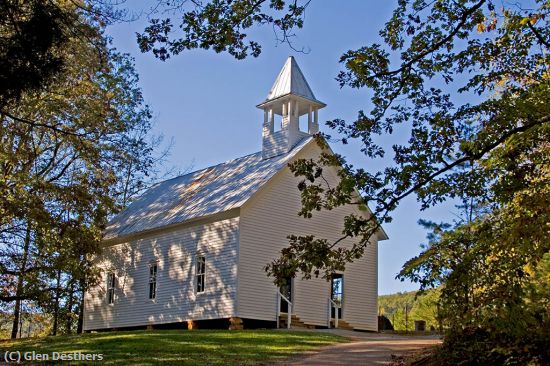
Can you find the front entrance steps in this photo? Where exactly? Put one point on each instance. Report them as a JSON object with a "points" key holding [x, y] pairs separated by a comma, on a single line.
{"points": [[342, 324], [295, 322]]}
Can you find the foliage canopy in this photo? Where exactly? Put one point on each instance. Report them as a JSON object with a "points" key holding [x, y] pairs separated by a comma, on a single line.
{"points": [[73, 151], [468, 80]]}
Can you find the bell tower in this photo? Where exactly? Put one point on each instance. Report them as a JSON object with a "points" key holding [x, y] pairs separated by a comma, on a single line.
{"points": [[290, 97]]}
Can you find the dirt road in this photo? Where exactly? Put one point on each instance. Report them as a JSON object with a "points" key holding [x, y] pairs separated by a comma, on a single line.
{"points": [[365, 349]]}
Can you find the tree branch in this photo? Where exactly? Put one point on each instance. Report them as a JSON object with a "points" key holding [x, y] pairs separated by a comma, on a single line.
{"points": [[538, 35], [38, 124], [436, 46], [473, 157]]}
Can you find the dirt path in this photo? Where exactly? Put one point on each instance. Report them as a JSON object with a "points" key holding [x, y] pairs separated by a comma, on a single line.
{"points": [[366, 349]]}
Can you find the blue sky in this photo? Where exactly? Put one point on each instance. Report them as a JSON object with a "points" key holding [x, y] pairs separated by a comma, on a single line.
{"points": [[206, 103]]}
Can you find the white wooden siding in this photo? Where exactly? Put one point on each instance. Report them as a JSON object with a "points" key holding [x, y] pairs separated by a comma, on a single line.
{"points": [[266, 220], [175, 252], [276, 143], [360, 301]]}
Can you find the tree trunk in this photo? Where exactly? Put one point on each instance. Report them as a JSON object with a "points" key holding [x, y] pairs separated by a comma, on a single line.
{"points": [[15, 325], [56, 305], [20, 282], [70, 309], [80, 325]]}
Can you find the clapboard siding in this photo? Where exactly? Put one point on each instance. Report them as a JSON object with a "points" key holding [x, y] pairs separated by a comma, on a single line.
{"points": [[360, 301], [175, 253], [275, 144], [266, 220]]}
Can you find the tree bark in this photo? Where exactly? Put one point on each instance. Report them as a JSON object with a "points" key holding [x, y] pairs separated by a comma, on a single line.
{"points": [[56, 305], [20, 282], [15, 325], [80, 325], [70, 302]]}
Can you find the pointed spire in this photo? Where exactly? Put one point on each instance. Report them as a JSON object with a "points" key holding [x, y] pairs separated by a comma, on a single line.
{"points": [[290, 97], [291, 81]]}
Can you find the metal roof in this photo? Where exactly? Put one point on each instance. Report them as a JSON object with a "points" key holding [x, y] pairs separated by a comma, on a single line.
{"points": [[205, 192], [291, 80]]}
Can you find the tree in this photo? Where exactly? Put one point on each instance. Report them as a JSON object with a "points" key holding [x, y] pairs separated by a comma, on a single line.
{"points": [[496, 58], [33, 34], [220, 25], [67, 152], [469, 81], [30, 34], [439, 62], [491, 268], [421, 306]]}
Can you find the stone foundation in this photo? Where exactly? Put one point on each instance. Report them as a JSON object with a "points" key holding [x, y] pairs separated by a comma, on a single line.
{"points": [[235, 323], [192, 325]]}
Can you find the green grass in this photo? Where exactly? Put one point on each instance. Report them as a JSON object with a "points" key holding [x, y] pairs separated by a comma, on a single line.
{"points": [[181, 347]]}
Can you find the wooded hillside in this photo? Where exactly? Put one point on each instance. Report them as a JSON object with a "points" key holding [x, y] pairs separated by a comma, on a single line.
{"points": [[403, 308]]}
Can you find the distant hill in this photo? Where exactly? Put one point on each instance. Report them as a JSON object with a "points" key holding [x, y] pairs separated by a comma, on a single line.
{"points": [[421, 307]]}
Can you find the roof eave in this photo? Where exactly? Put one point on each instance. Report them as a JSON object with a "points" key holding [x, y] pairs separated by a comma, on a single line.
{"points": [[382, 235], [217, 216], [266, 103]]}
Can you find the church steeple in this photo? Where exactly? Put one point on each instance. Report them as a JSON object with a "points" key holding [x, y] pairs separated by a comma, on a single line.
{"points": [[289, 97]]}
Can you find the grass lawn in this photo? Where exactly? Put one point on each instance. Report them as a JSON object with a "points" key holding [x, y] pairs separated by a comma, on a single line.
{"points": [[180, 347]]}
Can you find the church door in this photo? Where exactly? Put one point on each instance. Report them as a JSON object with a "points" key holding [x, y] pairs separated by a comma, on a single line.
{"points": [[286, 290], [337, 293]]}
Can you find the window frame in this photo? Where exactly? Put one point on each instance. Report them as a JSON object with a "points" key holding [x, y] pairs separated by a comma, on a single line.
{"points": [[200, 276], [340, 298], [111, 286], [153, 281]]}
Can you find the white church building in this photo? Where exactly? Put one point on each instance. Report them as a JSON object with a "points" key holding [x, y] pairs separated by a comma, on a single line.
{"points": [[192, 250]]}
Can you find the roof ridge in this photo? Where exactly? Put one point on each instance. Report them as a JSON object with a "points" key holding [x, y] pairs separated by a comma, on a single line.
{"points": [[176, 202], [227, 162], [209, 167]]}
